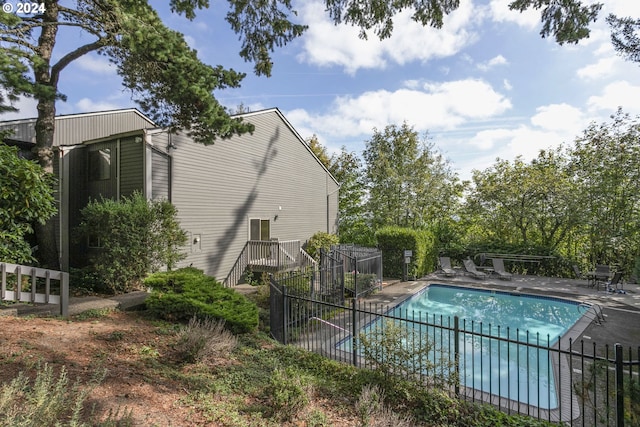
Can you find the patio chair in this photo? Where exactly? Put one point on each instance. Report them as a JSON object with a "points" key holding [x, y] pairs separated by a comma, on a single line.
{"points": [[470, 268], [445, 266], [600, 275], [498, 268]]}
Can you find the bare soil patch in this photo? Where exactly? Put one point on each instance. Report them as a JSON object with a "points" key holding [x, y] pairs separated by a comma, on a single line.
{"points": [[124, 344]]}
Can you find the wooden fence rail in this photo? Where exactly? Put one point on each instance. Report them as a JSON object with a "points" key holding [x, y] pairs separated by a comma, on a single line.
{"points": [[37, 291]]}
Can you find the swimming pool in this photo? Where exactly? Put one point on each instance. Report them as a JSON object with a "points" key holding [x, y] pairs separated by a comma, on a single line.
{"points": [[513, 370]]}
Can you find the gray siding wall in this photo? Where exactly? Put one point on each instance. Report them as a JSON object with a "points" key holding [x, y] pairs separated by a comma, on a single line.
{"points": [[270, 173], [74, 129], [131, 166], [160, 164]]}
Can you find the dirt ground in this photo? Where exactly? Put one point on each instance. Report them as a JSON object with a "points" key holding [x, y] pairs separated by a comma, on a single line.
{"points": [[121, 343]]}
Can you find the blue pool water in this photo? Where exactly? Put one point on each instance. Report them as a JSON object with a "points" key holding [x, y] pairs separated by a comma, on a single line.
{"points": [[509, 370]]}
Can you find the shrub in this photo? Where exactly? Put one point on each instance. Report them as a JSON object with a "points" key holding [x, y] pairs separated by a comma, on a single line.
{"points": [[47, 400], [320, 240], [136, 236], [288, 393], [396, 350], [26, 196], [203, 340], [182, 294], [393, 241], [373, 413]]}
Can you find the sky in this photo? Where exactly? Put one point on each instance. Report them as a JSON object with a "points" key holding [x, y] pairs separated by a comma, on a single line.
{"points": [[484, 86]]}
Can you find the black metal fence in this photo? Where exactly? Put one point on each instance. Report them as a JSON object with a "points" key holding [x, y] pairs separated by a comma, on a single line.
{"points": [[361, 271], [565, 381]]}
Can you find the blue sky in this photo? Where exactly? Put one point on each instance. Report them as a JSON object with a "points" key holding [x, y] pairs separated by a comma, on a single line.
{"points": [[486, 85]]}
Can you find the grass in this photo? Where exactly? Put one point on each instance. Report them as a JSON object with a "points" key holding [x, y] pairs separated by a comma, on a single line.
{"points": [[246, 380]]}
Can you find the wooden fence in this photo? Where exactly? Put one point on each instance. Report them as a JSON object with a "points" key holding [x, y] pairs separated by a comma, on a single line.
{"points": [[22, 283]]}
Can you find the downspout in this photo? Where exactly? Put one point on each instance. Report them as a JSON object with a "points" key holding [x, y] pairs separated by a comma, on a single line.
{"points": [[329, 194]]}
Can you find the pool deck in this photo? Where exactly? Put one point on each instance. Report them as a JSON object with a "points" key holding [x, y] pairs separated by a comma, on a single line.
{"points": [[621, 310]]}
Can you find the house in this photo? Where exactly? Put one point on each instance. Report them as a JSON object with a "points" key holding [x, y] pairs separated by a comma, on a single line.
{"points": [[266, 186]]}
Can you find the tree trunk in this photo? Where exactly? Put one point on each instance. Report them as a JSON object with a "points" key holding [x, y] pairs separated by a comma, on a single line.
{"points": [[45, 126]]}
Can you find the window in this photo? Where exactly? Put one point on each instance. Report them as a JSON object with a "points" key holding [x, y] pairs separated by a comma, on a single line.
{"points": [[100, 164], [259, 229]]}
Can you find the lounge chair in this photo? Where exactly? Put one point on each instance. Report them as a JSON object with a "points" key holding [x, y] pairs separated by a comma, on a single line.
{"points": [[445, 266], [498, 268], [470, 268]]}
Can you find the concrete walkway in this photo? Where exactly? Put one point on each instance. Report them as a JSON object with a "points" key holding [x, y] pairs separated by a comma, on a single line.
{"points": [[77, 305]]}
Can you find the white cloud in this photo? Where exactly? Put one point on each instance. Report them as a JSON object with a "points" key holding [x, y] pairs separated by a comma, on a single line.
{"points": [[500, 12], [326, 44], [564, 119], [618, 94], [603, 68], [96, 64], [507, 84], [433, 106], [493, 62], [86, 105], [26, 109]]}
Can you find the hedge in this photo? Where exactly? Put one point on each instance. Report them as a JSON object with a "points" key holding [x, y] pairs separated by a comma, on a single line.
{"points": [[393, 241]]}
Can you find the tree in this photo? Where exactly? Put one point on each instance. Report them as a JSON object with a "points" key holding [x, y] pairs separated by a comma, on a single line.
{"points": [[409, 183], [567, 20], [353, 220], [166, 77], [319, 150], [526, 204], [606, 164], [25, 197], [625, 36]]}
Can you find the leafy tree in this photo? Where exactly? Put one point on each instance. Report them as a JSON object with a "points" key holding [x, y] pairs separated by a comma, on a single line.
{"points": [[409, 183], [319, 150], [353, 220], [26, 197], [606, 163], [166, 77], [523, 203]]}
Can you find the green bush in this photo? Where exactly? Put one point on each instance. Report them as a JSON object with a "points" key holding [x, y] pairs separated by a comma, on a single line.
{"points": [[393, 241], [182, 294], [135, 237], [288, 393], [320, 240], [26, 196]]}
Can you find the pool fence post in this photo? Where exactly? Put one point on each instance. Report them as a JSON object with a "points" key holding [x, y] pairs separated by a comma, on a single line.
{"points": [[354, 331], [456, 352], [285, 314], [619, 387]]}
